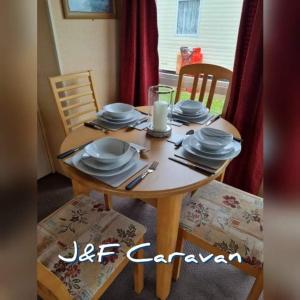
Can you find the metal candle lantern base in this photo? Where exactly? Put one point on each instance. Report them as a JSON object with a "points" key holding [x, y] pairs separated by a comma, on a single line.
{"points": [[159, 134]]}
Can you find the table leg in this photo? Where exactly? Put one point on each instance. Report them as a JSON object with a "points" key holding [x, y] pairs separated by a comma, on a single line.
{"points": [[168, 216], [108, 201], [79, 188]]}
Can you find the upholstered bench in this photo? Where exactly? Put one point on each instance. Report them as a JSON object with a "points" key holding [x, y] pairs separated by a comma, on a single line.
{"points": [[85, 220], [222, 220]]}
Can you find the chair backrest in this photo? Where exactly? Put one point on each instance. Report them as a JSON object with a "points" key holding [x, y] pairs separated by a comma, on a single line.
{"points": [[75, 97], [205, 71]]}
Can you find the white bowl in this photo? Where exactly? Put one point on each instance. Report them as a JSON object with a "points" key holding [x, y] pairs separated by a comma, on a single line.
{"points": [[216, 133], [191, 106], [107, 150], [211, 143], [98, 165], [118, 110]]}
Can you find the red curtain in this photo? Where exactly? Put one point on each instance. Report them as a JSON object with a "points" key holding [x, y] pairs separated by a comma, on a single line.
{"points": [[245, 109], [139, 67]]}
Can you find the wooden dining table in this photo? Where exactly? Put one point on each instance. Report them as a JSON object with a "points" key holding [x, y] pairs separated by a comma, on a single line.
{"points": [[164, 189]]}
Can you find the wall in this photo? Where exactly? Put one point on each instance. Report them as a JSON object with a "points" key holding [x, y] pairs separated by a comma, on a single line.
{"points": [[44, 161], [67, 46], [48, 66], [87, 44], [218, 28]]}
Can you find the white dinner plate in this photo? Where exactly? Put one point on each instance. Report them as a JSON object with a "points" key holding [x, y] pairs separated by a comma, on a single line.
{"points": [[235, 145], [211, 163], [77, 163], [135, 116], [98, 165], [180, 112], [191, 118], [125, 118]]}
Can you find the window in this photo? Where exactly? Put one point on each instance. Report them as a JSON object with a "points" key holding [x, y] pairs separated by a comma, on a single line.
{"points": [[188, 17], [211, 25]]}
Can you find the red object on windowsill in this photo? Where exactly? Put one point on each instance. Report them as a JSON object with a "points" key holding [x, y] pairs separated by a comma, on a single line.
{"points": [[197, 56], [186, 56]]}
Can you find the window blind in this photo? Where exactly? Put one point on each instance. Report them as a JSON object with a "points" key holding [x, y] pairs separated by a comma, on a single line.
{"points": [[188, 17]]}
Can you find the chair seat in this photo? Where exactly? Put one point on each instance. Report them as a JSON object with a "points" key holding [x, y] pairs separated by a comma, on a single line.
{"points": [[227, 218], [85, 220]]}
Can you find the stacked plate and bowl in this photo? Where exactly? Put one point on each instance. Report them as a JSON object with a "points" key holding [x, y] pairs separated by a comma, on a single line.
{"points": [[211, 145], [118, 115], [106, 158], [190, 111]]}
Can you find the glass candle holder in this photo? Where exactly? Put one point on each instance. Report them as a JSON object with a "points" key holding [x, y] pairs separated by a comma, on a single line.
{"points": [[160, 102]]}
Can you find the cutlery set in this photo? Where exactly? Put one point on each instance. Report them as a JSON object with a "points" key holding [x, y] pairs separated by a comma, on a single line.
{"points": [[207, 149], [190, 111]]}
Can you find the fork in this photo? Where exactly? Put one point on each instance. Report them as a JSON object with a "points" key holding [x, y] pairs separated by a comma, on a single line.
{"points": [[138, 179]]}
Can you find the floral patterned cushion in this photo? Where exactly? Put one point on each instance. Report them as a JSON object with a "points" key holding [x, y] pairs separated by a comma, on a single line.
{"points": [[85, 220], [227, 218]]}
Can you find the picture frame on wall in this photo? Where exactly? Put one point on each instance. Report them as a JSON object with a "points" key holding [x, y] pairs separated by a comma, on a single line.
{"points": [[89, 9]]}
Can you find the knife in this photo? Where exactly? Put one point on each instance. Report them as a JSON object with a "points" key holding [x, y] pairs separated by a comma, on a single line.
{"points": [[210, 121], [207, 168], [193, 167], [187, 123], [95, 126], [71, 151], [142, 112], [237, 139]]}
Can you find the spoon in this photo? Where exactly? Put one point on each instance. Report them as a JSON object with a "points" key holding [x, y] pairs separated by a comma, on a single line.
{"points": [[179, 143]]}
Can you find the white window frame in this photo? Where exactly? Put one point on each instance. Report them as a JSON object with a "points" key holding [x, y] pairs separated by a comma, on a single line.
{"points": [[197, 34]]}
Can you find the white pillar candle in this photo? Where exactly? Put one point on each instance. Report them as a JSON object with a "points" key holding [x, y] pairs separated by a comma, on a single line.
{"points": [[160, 116]]}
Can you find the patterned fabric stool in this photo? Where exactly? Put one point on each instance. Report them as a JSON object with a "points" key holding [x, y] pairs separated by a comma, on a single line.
{"points": [[84, 220], [222, 220]]}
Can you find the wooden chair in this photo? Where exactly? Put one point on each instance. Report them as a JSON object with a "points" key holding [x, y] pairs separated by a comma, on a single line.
{"points": [[75, 98], [222, 220], [76, 101], [85, 220], [205, 71]]}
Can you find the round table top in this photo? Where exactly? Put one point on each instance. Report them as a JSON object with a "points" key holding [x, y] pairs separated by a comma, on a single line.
{"points": [[169, 178]]}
